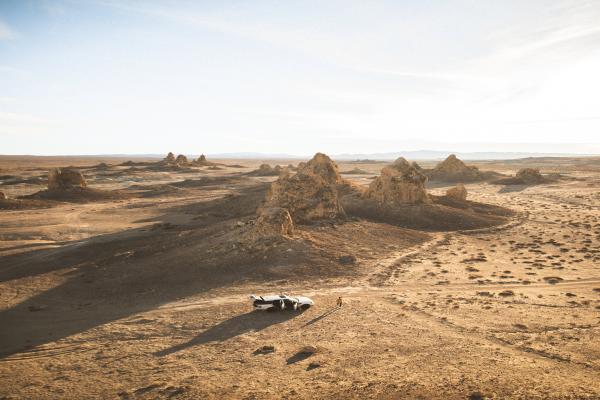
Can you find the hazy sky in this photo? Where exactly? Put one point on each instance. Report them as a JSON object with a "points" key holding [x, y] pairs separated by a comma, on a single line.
{"points": [[103, 76]]}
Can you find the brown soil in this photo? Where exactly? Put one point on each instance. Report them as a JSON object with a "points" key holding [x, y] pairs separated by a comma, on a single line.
{"points": [[75, 195], [147, 296], [355, 171]]}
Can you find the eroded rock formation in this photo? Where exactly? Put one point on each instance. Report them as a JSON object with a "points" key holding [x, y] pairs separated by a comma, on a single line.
{"points": [[399, 183], [65, 178], [525, 176], [310, 194], [267, 170], [458, 192], [170, 158], [274, 221], [530, 176], [453, 169], [416, 166], [322, 166], [202, 161], [181, 160]]}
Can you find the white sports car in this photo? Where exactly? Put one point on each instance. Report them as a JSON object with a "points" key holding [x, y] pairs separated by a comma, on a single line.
{"points": [[281, 302]]}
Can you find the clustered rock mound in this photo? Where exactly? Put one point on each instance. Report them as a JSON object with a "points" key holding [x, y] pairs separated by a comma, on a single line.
{"points": [[182, 163], [68, 185], [181, 160], [398, 196], [452, 169], [310, 194], [171, 161], [525, 176], [267, 170], [530, 176], [102, 166], [170, 158], [399, 183], [459, 192], [65, 179], [202, 161]]}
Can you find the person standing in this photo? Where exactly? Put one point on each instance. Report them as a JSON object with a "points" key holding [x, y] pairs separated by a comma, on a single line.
{"points": [[339, 301]]}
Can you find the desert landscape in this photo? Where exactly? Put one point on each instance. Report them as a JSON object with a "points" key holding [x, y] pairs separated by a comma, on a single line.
{"points": [[129, 278], [261, 199]]}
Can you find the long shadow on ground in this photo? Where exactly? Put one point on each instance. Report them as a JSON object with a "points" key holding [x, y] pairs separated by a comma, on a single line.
{"points": [[113, 276], [238, 325]]}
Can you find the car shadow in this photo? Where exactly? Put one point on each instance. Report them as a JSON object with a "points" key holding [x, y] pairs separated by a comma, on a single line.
{"points": [[300, 356], [253, 321]]}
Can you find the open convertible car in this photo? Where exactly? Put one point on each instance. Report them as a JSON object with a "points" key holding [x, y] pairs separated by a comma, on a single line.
{"points": [[281, 302]]}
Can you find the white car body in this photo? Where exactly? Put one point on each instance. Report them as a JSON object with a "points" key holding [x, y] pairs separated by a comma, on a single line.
{"points": [[281, 302]]}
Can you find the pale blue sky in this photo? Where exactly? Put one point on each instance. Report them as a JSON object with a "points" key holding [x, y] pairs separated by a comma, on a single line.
{"points": [[102, 76]]}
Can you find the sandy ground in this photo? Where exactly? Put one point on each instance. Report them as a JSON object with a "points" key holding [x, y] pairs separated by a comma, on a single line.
{"points": [[131, 299]]}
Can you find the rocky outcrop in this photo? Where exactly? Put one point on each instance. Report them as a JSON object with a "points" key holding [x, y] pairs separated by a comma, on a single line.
{"points": [[416, 166], [453, 169], [69, 185], [170, 158], [102, 166], [322, 166], [181, 160], [203, 162], [65, 179], [399, 183], [459, 192], [310, 194], [267, 170], [530, 176], [525, 176], [274, 221]]}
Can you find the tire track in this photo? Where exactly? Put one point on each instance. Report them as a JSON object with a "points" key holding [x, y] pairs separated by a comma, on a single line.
{"points": [[425, 317], [46, 352]]}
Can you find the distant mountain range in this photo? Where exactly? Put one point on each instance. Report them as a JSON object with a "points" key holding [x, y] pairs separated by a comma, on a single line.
{"points": [[410, 155]]}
